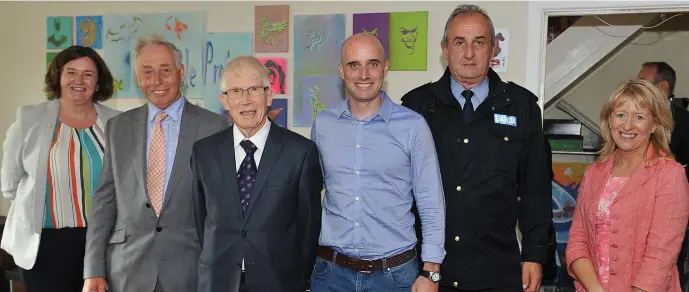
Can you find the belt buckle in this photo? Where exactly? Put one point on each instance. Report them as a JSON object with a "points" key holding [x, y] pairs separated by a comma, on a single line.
{"points": [[370, 267]]}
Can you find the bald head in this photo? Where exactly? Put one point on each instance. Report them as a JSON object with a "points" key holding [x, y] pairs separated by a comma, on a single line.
{"points": [[362, 42]]}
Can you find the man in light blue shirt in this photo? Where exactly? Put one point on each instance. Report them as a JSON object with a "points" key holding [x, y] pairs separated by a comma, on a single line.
{"points": [[377, 159]]}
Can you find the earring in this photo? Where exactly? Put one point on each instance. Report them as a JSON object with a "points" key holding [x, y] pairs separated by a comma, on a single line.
{"points": [[96, 87]]}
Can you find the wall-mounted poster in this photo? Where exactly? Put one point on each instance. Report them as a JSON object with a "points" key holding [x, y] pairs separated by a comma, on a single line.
{"points": [[59, 32], [90, 31], [271, 28], [277, 68]]}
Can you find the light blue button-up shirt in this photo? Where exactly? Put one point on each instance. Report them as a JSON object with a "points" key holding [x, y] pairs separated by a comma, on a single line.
{"points": [[171, 127], [373, 169], [480, 92]]}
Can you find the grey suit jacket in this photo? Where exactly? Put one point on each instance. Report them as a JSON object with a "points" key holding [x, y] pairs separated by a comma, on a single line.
{"points": [[125, 241], [24, 176]]}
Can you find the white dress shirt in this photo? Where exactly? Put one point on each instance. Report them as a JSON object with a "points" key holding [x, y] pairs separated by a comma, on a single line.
{"points": [[259, 139]]}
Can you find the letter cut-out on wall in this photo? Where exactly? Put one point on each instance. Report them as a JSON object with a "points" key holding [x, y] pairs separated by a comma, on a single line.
{"points": [[317, 43], [221, 47], [271, 28], [277, 68], [59, 32]]}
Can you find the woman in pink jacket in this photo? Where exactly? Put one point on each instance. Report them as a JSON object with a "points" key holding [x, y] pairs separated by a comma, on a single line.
{"points": [[633, 202]]}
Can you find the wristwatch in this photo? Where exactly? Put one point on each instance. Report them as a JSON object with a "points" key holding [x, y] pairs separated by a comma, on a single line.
{"points": [[433, 276]]}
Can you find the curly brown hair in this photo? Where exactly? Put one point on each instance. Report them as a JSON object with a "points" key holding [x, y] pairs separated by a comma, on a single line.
{"points": [[104, 86]]}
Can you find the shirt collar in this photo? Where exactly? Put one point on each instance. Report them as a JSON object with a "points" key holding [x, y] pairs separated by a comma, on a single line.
{"points": [[480, 91], [385, 111], [173, 111], [259, 139]]}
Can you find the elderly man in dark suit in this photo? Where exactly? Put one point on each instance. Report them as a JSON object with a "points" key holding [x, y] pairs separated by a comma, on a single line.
{"points": [[257, 193]]}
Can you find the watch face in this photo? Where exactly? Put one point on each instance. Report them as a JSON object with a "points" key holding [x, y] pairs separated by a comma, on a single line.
{"points": [[435, 277]]}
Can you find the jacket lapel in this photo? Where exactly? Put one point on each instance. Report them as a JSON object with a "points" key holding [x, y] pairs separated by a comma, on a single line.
{"points": [[268, 159], [187, 137], [46, 129], [227, 165], [137, 136]]}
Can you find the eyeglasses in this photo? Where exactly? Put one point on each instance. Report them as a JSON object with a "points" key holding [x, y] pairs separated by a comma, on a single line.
{"points": [[237, 92]]}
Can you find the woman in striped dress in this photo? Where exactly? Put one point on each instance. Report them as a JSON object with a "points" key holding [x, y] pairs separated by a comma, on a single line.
{"points": [[52, 157]]}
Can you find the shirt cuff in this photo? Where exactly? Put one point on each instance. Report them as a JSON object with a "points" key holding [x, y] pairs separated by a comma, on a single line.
{"points": [[432, 253]]}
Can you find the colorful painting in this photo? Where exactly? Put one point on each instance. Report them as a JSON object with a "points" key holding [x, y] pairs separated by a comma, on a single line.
{"points": [[565, 188], [271, 28], [277, 68], [220, 49], [376, 24], [318, 94], [59, 32], [120, 33], [49, 58], [90, 31], [408, 41], [317, 43], [277, 112], [185, 30]]}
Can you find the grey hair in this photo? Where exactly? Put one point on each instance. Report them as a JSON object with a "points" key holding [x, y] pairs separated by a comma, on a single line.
{"points": [[156, 39], [466, 9], [239, 65]]}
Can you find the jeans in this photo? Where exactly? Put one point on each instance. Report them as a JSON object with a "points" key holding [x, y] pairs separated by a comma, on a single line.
{"points": [[330, 277]]}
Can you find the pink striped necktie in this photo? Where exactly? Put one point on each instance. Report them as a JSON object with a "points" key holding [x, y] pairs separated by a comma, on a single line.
{"points": [[155, 174]]}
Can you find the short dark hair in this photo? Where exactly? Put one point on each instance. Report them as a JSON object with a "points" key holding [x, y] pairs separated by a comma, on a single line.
{"points": [[664, 72], [104, 86]]}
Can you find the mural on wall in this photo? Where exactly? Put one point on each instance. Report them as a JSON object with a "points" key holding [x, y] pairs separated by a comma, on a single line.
{"points": [[277, 68], [565, 188], [221, 47], [376, 24], [271, 28], [277, 112], [90, 31], [59, 32], [317, 41], [408, 41], [185, 30]]}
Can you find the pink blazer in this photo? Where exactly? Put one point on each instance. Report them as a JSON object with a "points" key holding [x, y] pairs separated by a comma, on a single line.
{"points": [[649, 218]]}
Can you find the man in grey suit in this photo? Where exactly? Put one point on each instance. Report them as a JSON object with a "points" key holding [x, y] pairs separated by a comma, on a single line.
{"points": [[257, 192], [142, 235]]}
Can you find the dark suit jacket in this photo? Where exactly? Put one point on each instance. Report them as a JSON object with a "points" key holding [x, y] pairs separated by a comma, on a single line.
{"points": [[278, 236]]}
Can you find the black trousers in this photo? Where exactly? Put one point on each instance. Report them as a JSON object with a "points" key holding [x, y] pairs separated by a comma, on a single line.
{"points": [[447, 289], [60, 262]]}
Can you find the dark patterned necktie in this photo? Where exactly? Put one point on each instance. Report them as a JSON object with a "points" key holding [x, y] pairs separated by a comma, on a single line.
{"points": [[468, 109], [246, 175]]}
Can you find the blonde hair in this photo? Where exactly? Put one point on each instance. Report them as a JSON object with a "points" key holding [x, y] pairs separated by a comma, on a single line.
{"points": [[645, 95], [240, 65], [156, 39]]}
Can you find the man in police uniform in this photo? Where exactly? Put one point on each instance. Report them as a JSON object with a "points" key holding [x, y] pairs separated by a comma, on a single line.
{"points": [[489, 139]]}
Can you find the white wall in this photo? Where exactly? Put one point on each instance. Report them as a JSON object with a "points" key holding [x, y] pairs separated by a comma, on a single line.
{"points": [[23, 40], [589, 95]]}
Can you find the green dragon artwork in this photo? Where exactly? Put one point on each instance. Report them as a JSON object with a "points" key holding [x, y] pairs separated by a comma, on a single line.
{"points": [[317, 105], [268, 29]]}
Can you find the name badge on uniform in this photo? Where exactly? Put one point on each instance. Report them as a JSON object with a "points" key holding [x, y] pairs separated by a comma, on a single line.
{"points": [[505, 120]]}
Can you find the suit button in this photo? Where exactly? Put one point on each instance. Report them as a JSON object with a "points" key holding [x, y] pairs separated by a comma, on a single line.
{"points": [[148, 205], [243, 233], [614, 231], [459, 188], [456, 238], [613, 273], [614, 245], [507, 138], [455, 284], [159, 229]]}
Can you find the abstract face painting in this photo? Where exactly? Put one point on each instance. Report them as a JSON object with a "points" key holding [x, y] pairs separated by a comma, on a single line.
{"points": [[408, 38], [277, 73]]}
